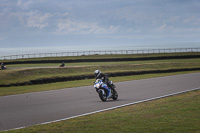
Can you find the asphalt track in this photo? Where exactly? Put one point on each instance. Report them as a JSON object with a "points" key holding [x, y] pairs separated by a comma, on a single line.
{"points": [[34, 108]]}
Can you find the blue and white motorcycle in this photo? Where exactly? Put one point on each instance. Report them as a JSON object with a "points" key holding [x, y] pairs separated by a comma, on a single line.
{"points": [[104, 91]]}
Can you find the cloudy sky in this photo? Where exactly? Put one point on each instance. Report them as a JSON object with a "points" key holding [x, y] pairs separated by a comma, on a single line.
{"points": [[98, 22]]}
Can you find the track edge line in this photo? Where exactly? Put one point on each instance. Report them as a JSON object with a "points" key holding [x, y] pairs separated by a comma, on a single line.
{"points": [[111, 108]]}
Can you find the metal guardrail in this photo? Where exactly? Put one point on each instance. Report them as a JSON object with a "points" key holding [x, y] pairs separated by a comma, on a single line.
{"points": [[81, 53]]}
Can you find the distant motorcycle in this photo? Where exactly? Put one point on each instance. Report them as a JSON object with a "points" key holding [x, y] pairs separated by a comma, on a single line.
{"points": [[62, 65], [3, 67], [104, 91]]}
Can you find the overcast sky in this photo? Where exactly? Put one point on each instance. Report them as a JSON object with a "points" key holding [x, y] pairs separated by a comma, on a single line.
{"points": [[98, 22]]}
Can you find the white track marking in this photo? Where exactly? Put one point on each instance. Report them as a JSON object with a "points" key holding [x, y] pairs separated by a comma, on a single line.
{"points": [[128, 104]]}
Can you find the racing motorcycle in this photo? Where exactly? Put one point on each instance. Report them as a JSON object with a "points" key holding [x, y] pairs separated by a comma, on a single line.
{"points": [[104, 91], [3, 67]]}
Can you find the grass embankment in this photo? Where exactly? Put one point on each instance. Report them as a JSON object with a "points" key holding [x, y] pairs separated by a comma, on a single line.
{"points": [[25, 75], [20, 73], [59, 85], [175, 114]]}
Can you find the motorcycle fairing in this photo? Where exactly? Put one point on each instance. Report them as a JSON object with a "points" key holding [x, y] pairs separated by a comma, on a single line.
{"points": [[107, 89]]}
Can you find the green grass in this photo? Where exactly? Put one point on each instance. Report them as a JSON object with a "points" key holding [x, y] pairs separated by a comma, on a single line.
{"points": [[25, 75], [25, 72], [22, 66], [175, 114], [60, 85]]}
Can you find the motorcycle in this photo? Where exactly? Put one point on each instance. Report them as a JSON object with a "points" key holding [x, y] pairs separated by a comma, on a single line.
{"points": [[3, 67], [62, 65], [104, 91]]}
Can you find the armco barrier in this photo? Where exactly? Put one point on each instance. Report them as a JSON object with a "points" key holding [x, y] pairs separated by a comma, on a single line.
{"points": [[103, 60], [81, 53]]}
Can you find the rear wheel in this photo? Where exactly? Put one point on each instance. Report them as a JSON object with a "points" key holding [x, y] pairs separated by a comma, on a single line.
{"points": [[115, 94]]}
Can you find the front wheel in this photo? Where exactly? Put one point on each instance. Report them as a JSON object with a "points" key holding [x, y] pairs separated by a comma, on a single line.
{"points": [[115, 94], [102, 96]]}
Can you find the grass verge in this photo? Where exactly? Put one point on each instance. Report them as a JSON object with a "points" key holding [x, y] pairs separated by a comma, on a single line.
{"points": [[53, 65], [60, 85], [25, 75], [175, 114]]}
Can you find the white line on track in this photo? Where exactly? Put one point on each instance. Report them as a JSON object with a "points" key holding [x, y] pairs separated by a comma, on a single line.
{"points": [[128, 104]]}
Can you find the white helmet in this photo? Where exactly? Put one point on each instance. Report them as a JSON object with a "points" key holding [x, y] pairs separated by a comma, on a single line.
{"points": [[97, 73]]}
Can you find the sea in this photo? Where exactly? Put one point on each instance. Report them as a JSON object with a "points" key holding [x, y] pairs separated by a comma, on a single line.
{"points": [[77, 48]]}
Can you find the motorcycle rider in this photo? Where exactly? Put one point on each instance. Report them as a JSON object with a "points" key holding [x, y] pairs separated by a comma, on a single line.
{"points": [[63, 64], [104, 77], [2, 66]]}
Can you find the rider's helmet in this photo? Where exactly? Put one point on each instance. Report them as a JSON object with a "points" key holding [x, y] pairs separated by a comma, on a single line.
{"points": [[97, 73]]}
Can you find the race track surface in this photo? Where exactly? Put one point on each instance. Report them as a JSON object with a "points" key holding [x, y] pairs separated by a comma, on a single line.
{"points": [[35, 108]]}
